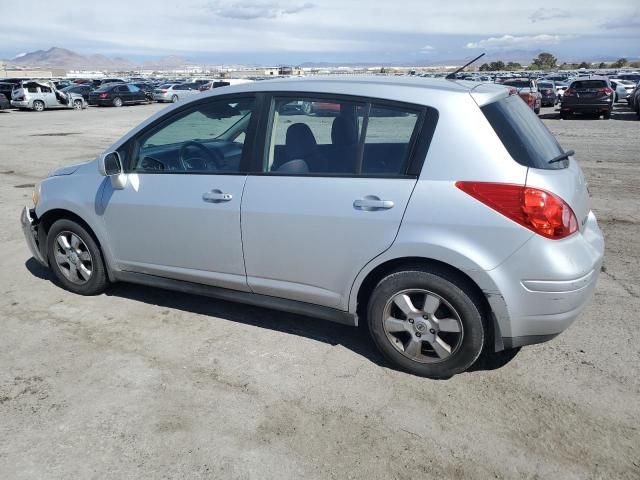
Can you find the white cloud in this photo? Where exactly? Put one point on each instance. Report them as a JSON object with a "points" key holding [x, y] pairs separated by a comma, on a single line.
{"points": [[543, 14], [513, 41], [427, 49], [251, 9]]}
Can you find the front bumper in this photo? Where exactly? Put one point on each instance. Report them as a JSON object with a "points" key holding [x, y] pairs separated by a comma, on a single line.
{"points": [[30, 231]]}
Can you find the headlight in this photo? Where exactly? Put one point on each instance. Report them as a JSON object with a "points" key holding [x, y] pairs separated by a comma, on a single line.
{"points": [[36, 195]]}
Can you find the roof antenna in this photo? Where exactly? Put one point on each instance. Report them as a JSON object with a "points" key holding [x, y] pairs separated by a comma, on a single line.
{"points": [[452, 75]]}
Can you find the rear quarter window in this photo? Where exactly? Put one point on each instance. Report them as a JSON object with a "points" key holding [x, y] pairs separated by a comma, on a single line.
{"points": [[525, 137]]}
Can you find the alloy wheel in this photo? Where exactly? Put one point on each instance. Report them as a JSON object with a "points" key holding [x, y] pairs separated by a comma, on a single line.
{"points": [[422, 326], [73, 258]]}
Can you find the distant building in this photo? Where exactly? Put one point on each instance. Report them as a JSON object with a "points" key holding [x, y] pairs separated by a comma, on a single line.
{"points": [[7, 71]]}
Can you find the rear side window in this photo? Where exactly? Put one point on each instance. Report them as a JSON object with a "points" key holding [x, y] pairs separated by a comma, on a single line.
{"points": [[322, 136], [579, 84], [522, 133]]}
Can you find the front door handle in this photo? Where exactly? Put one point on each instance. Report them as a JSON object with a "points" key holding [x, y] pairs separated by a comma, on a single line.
{"points": [[216, 196], [372, 203]]}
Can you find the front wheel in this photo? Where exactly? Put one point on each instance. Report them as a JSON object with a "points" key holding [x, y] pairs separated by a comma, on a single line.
{"points": [[174, 99], [427, 322], [75, 258], [606, 115]]}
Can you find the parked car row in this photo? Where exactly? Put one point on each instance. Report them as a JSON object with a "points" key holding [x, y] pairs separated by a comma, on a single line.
{"points": [[39, 95]]}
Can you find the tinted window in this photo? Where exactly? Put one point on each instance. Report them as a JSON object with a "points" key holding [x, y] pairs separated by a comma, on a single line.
{"points": [[206, 139], [522, 133], [518, 83], [133, 88], [580, 84], [339, 137]]}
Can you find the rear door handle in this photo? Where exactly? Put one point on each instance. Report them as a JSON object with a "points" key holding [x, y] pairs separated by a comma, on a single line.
{"points": [[372, 203], [216, 196]]}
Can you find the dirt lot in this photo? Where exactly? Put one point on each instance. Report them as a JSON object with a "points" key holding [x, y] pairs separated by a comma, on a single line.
{"points": [[142, 383]]}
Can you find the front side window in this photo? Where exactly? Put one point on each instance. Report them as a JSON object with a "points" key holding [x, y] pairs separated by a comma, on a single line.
{"points": [[319, 136], [208, 138]]}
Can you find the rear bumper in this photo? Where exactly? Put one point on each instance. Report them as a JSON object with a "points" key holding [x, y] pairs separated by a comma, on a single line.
{"points": [[93, 101], [557, 280], [586, 107], [20, 104], [30, 231]]}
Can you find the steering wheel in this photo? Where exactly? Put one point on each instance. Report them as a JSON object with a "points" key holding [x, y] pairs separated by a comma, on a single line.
{"points": [[215, 158]]}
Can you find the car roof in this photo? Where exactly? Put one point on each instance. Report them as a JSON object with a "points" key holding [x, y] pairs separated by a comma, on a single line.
{"points": [[401, 88]]}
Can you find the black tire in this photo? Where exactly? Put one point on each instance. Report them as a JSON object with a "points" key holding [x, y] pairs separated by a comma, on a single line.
{"points": [[453, 289], [536, 111], [38, 106], [98, 280], [117, 102], [565, 115], [174, 99], [606, 115], [77, 104]]}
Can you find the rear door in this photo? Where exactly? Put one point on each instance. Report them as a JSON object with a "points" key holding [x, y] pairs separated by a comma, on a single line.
{"points": [[328, 196]]}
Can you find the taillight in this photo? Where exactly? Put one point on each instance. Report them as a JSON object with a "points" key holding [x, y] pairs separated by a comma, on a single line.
{"points": [[605, 90], [103, 95], [538, 210], [569, 92]]}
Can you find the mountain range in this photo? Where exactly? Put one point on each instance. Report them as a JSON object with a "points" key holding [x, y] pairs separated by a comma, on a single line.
{"points": [[63, 58]]}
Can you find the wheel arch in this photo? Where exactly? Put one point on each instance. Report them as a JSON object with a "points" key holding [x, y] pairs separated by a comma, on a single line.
{"points": [[49, 217], [363, 290]]}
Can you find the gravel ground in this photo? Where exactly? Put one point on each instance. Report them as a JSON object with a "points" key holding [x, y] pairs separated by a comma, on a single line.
{"points": [[142, 383]]}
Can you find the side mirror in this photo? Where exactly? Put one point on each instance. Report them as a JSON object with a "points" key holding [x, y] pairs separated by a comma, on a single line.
{"points": [[110, 164]]}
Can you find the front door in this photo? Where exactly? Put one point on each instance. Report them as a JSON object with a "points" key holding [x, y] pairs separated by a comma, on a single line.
{"points": [[331, 195], [178, 215]]}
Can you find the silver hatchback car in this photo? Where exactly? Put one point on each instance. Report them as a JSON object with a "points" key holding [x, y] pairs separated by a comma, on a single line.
{"points": [[443, 214]]}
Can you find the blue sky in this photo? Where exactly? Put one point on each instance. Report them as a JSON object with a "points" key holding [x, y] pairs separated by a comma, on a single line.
{"points": [[294, 31]]}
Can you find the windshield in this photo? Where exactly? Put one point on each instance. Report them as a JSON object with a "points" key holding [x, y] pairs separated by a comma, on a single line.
{"points": [[523, 134]]}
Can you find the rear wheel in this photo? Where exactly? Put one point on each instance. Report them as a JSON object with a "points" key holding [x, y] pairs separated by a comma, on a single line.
{"points": [[77, 104], [117, 102], [75, 258], [606, 115], [427, 322], [38, 105]]}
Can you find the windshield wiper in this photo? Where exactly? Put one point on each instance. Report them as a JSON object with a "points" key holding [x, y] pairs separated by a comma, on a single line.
{"points": [[562, 156]]}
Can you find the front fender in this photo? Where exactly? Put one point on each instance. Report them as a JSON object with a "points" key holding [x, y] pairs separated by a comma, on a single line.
{"points": [[79, 193]]}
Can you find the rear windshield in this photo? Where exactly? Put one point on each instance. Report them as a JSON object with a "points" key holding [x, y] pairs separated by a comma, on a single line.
{"points": [[523, 134], [518, 83], [588, 84]]}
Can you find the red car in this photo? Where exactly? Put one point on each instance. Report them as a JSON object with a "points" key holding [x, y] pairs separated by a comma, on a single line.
{"points": [[528, 91]]}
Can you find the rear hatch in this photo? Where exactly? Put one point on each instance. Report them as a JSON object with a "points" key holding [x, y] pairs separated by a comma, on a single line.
{"points": [[531, 144], [589, 90]]}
